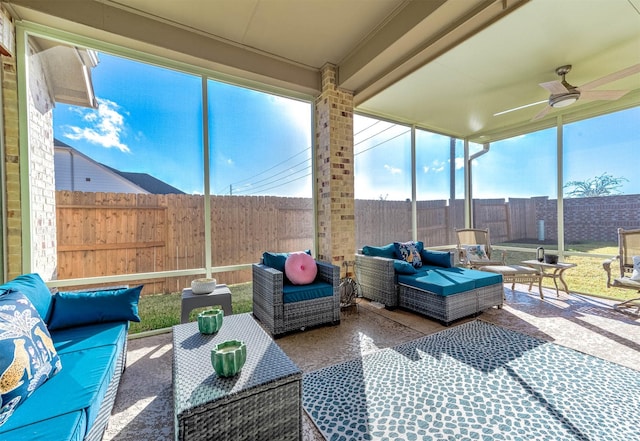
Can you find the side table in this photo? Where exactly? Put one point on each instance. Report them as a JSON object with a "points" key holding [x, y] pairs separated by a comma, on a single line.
{"points": [[221, 295], [553, 271]]}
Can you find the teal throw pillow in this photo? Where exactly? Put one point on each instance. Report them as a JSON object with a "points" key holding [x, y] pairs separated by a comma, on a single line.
{"points": [[33, 288], [387, 251], [437, 258], [87, 308], [27, 355], [402, 267], [275, 260], [408, 251]]}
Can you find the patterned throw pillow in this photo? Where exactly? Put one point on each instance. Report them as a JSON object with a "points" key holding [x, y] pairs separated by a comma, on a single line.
{"points": [[475, 253], [27, 355], [636, 269], [408, 251]]}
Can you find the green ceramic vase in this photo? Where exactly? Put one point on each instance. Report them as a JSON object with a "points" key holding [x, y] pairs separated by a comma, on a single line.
{"points": [[228, 357], [210, 321]]}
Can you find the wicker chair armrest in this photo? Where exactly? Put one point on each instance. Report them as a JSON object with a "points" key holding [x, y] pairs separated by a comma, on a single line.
{"points": [[328, 273], [372, 271], [267, 283], [606, 264]]}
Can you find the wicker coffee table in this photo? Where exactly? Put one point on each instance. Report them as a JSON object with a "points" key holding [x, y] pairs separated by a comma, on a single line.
{"points": [[262, 402]]}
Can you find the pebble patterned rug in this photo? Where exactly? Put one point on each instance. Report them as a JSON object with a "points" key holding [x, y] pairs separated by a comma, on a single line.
{"points": [[475, 381]]}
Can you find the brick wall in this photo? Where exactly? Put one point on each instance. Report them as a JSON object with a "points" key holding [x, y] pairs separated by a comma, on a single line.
{"points": [[590, 219]]}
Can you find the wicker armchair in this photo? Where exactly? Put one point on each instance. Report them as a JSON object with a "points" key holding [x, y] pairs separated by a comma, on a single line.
{"points": [[280, 318], [474, 236], [628, 246]]}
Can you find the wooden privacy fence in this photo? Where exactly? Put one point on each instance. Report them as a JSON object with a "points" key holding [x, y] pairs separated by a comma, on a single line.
{"points": [[101, 234]]}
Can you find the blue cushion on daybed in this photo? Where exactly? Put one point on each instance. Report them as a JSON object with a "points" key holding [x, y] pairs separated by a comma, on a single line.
{"points": [[480, 278], [403, 267], [388, 251], [437, 258], [437, 282], [298, 293]]}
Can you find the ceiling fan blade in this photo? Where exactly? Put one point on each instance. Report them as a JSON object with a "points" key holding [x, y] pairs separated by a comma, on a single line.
{"points": [[608, 95], [611, 77], [555, 87], [542, 113]]}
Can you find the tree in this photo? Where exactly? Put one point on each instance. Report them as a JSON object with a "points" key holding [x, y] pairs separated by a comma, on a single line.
{"points": [[603, 185]]}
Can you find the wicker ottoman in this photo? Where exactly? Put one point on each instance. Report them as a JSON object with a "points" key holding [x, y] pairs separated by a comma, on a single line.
{"points": [[517, 274], [262, 402]]}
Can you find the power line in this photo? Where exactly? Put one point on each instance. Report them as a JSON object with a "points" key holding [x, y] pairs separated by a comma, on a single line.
{"points": [[367, 128], [265, 171], [383, 142], [285, 183], [260, 189]]}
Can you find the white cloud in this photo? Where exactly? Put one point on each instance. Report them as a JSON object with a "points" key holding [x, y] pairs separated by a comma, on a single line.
{"points": [[459, 163], [104, 126], [393, 170]]}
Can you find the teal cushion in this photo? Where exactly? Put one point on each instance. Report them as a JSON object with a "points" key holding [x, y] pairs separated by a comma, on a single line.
{"points": [[80, 338], [438, 282], [408, 251], [81, 386], [479, 278], [387, 251], [402, 267], [275, 260], [83, 308], [438, 258], [67, 427], [27, 355], [34, 288], [298, 293]]}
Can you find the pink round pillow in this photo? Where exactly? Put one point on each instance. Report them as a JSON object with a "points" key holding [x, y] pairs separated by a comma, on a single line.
{"points": [[300, 268]]}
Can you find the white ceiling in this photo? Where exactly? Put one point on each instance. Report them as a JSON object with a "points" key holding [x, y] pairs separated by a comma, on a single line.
{"points": [[445, 65]]}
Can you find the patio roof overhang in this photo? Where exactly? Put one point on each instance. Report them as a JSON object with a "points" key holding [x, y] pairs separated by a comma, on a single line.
{"points": [[444, 65]]}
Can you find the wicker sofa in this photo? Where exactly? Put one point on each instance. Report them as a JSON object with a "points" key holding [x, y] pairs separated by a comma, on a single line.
{"points": [[283, 307], [438, 289]]}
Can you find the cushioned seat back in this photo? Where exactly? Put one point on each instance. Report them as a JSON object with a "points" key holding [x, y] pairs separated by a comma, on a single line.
{"points": [[34, 288]]}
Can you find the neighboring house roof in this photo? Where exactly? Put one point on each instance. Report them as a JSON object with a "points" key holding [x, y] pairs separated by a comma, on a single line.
{"points": [[148, 182], [138, 182]]}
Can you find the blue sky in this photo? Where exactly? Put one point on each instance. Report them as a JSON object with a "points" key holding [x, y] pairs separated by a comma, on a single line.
{"points": [[149, 120]]}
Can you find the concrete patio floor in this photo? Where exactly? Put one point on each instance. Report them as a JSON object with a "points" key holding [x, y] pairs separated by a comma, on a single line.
{"points": [[144, 409]]}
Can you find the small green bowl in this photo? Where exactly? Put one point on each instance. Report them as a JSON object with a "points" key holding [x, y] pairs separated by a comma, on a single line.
{"points": [[210, 321], [228, 357]]}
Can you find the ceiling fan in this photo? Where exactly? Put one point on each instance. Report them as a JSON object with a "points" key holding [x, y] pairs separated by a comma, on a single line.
{"points": [[564, 94]]}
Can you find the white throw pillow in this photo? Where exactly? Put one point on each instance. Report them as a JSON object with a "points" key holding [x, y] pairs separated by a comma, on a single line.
{"points": [[636, 269], [475, 253]]}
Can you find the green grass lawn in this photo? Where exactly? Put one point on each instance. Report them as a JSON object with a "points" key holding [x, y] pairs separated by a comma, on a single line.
{"points": [[159, 311], [588, 277]]}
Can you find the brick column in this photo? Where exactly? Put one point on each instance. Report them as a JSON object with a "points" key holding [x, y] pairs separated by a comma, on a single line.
{"points": [[11, 160], [335, 229]]}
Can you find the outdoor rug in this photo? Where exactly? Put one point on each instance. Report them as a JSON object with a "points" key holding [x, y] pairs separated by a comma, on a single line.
{"points": [[475, 381]]}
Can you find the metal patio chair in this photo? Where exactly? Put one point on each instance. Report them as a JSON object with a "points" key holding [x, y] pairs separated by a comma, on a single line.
{"points": [[471, 238], [628, 246]]}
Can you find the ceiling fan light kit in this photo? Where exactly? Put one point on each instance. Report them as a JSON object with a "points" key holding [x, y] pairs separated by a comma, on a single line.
{"points": [[563, 100]]}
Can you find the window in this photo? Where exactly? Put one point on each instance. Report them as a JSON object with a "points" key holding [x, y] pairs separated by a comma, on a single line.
{"points": [[514, 190], [382, 181]]}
